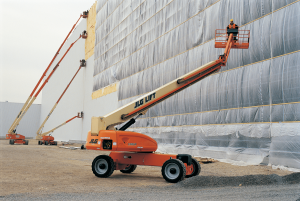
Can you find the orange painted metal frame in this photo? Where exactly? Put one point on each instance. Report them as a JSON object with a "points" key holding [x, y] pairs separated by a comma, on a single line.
{"points": [[221, 39], [68, 85], [48, 138], [122, 159], [18, 139]]}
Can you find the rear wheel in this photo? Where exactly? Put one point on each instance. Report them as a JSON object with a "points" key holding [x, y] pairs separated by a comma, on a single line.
{"points": [[103, 166], [46, 142], [26, 142], [129, 169], [173, 170], [11, 141], [196, 168], [39, 142]]}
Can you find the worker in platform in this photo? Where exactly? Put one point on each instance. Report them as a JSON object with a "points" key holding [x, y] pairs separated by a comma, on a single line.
{"points": [[232, 28]]}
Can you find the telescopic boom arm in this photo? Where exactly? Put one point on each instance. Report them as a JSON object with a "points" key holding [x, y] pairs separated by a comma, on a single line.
{"points": [[142, 104], [79, 115]]}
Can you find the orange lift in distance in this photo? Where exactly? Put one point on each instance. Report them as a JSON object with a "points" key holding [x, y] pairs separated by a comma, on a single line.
{"points": [[48, 139], [42, 137], [129, 149], [12, 134]]}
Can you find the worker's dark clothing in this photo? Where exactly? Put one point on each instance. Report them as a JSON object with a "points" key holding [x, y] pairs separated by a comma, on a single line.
{"points": [[232, 29]]}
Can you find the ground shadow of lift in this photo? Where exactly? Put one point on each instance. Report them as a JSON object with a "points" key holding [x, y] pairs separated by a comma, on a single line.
{"points": [[138, 177], [217, 181], [247, 180]]}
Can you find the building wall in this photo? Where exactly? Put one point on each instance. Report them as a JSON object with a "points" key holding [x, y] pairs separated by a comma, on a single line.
{"points": [[29, 124]]}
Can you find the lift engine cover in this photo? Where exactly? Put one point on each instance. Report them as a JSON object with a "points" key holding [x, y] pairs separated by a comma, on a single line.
{"points": [[47, 138], [108, 140]]}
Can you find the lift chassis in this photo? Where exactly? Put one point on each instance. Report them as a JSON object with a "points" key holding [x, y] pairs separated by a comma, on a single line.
{"points": [[16, 139], [129, 149], [47, 140]]}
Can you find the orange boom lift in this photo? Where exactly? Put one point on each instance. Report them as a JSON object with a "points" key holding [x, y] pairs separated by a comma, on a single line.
{"points": [[129, 149], [44, 139], [12, 132], [48, 139]]}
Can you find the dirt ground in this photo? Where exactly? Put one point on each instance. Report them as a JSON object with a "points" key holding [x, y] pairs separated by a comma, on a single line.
{"points": [[40, 169]]}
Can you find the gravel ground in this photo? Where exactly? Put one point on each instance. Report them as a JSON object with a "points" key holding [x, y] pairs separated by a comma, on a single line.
{"points": [[36, 172], [264, 193]]}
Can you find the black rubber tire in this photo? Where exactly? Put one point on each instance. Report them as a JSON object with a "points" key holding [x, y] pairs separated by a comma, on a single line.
{"points": [[197, 168], [107, 166], [129, 169], [11, 141], [46, 142], [26, 142], [54, 143], [39, 142], [178, 169]]}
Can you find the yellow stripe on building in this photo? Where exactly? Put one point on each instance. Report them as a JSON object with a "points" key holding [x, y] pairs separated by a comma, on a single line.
{"points": [[105, 91], [90, 41]]}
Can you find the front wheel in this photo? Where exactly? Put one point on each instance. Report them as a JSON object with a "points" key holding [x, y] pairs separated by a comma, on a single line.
{"points": [[196, 168], [103, 166], [26, 142], [129, 169], [173, 170], [11, 141], [46, 142]]}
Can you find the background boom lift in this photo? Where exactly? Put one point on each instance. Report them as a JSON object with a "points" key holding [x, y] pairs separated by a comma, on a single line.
{"points": [[12, 132], [129, 149], [48, 139], [42, 136]]}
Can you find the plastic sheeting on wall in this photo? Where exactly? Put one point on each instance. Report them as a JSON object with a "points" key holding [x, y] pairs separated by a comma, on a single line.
{"points": [[143, 48], [145, 44]]}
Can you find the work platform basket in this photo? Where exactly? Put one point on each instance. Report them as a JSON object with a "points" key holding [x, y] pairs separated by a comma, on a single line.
{"points": [[242, 38]]}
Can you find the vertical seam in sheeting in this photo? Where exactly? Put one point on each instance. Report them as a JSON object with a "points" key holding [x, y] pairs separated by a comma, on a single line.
{"points": [[260, 90], [270, 89], [282, 70]]}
